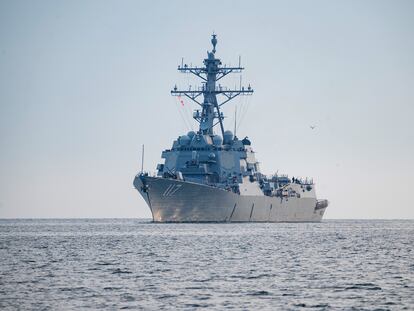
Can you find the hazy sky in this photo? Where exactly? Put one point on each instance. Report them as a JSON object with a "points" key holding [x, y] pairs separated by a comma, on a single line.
{"points": [[84, 83]]}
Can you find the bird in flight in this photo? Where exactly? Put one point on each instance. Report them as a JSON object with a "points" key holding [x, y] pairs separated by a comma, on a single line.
{"points": [[312, 126]]}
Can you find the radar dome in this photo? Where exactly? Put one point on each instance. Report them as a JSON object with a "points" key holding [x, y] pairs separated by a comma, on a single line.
{"points": [[191, 134], [228, 137], [184, 140], [217, 140]]}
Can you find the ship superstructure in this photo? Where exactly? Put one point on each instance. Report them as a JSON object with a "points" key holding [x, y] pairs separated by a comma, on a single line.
{"points": [[215, 177]]}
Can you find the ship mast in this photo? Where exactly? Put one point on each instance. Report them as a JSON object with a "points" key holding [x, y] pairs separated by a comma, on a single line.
{"points": [[210, 74]]}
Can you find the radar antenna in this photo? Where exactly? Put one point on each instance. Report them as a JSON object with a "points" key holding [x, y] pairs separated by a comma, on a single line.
{"points": [[142, 159], [210, 73], [214, 42]]}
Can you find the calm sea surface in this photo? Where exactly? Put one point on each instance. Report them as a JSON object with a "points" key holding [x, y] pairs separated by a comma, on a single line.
{"points": [[135, 264]]}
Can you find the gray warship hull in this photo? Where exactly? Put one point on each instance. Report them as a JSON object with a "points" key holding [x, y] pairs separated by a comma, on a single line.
{"points": [[206, 177], [172, 200]]}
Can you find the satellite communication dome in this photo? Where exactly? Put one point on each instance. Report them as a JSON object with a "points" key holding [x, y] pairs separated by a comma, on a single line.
{"points": [[191, 134], [228, 137], [217, 140], [184, 140]]}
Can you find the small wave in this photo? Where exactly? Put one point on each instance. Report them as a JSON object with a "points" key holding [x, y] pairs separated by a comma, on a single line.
{"points": [[252, 277], [120, 271], [72, 289], [166, 296], [162, 270], [41, 247], [151, 254], [128, 298], [43, 266], [160, 261], [367, 286], [112, 288], [203, 280], [320, 305], [259, 293], [197, 287], [105, 263], [390, 303], [197, 305]]}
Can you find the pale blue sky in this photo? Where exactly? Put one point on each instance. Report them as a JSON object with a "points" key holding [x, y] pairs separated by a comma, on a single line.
{"points": [[84, 83]]}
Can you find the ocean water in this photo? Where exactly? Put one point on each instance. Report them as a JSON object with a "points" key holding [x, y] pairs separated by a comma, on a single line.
{"points": [[117, 264]]}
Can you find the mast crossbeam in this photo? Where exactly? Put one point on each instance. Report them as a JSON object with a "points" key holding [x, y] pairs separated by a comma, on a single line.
{"points": [[210, 73]]}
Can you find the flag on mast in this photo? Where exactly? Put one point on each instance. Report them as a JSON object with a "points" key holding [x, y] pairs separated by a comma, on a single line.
{"points": [[181, 100]]}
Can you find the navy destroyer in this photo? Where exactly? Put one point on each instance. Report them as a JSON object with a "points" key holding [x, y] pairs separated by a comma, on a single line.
{"points": [[208, 177]]}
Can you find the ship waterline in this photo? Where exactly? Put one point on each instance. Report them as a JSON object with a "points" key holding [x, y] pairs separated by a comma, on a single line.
{"points": [[172, 200]]}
